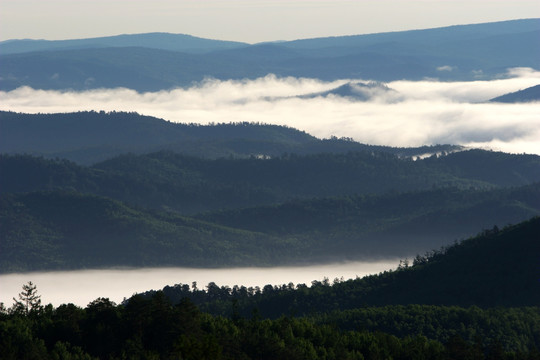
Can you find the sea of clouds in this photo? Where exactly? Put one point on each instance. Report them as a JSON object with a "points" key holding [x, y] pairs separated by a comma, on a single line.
{"points": [[416, 113]]}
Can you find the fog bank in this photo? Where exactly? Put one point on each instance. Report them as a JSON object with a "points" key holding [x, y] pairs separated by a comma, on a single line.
{"points": [[82, 287], [416, 113]]}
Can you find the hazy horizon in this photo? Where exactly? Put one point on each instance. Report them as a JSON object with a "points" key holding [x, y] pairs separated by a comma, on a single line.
{"points": [[246, 21], [276, 40]]}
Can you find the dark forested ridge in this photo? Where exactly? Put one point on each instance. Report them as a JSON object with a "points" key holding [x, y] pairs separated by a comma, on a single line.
{"points": [[167, 180], [388, 224], [325, 200], [496, 268], [59, 230], [499, 267], [146, 65], [90, 137], [69, 230], [153, 328]]}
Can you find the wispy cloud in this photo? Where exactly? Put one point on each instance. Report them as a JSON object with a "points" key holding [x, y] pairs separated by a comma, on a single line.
{"points": [[421, 112]]}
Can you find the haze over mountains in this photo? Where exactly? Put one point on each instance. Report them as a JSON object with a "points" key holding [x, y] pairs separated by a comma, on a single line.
{"points": [[259, 183], [253, 194], [152, 62], [247, 155]]}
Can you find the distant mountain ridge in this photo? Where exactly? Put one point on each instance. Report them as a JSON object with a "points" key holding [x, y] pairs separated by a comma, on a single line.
{"points": [[357, 91], [162, 41], [152, 62], [90, 137], [526, 95]]}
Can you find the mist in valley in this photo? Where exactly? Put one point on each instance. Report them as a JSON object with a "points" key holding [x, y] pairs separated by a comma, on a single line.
{"points": [[83, 286], [412, 113]]}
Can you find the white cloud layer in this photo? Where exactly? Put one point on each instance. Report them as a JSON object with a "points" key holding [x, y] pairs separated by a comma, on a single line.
{"points": [[83, 286], [421, 113]]}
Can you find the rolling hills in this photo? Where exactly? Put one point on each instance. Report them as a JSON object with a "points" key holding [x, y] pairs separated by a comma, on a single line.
{"points": [[91, 137], [254, 194], [152, 62], [127, 211], [189, 185]]}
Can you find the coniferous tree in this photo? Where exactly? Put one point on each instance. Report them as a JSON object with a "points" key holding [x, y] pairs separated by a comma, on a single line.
{"points": [[29, 301]]}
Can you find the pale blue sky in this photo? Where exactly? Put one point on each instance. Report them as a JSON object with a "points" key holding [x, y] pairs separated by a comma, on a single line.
{"points": [[248, 21]]}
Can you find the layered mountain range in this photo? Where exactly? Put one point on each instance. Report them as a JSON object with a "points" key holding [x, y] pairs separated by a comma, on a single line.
{"points": [[237, 194], [156, 61]]}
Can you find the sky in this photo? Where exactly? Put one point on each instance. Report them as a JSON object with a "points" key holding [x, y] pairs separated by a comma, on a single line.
{"points": [[246, 20]]}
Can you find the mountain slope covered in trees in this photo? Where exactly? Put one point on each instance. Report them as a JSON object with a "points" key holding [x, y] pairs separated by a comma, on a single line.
{"points": [[69, 230], [58, 230], [189, 185], [90, 137], [496, 268]]}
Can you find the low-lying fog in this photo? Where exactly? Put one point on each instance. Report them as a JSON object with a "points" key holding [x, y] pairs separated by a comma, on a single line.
{"points": [[82, 287], [416, 113]]}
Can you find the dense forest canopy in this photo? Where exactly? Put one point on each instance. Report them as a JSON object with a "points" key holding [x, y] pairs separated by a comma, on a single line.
{"points": [[326, 321], [128, 210], [264, 195]]}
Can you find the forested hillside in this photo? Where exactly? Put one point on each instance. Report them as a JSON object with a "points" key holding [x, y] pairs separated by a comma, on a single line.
{"points": [[499, 267], [69, 230], [496, 268], [90, 137], [154, 328], [59, 230], [101, 190], [189, 185]]}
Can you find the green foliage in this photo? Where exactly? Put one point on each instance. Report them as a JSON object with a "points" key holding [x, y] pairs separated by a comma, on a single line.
{"points": [[65, 227], [57, 230], [153, 328], [496, 268], [29, 301], [190, 185]]}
